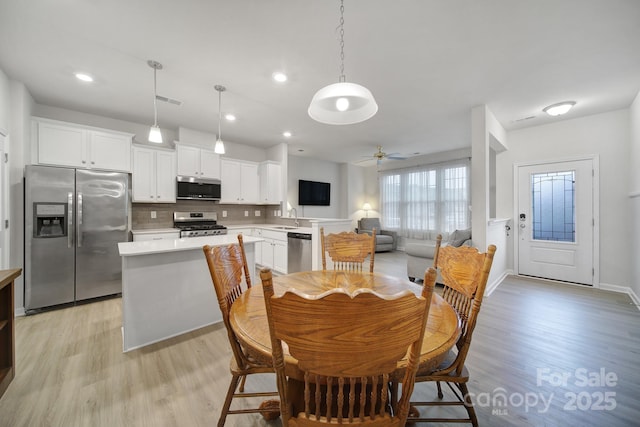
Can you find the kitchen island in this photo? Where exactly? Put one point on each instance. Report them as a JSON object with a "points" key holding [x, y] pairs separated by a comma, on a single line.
{"points": [[167, 289]]}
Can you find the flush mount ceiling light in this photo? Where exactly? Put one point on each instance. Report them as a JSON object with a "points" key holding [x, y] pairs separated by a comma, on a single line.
{"points": [[559, 108], [342, 103], [280, 77], [219, 147], [84, 77], [154, 132]]}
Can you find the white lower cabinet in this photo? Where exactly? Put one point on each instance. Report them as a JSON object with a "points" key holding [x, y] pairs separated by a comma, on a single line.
{"points": [[272, 252], [140, 236]]}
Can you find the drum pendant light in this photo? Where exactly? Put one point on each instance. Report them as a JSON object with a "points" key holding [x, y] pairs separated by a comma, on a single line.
{"points": [[154, 132], [219, 147], [342, 103]]}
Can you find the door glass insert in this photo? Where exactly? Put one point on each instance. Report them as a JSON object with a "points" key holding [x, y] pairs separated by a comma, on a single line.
{"points": [[553, 206]]}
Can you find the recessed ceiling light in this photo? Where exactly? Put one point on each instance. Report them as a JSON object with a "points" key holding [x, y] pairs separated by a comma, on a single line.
{"points": [[559, 108], [84, 77], [230, 117], [280, 77], [286, 134]]}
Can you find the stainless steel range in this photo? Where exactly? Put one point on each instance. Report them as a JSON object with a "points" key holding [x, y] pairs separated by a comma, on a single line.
{"points": [[196, 224]]}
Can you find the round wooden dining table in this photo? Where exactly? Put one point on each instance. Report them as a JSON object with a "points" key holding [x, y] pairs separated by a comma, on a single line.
{"points": [[249, 318]]}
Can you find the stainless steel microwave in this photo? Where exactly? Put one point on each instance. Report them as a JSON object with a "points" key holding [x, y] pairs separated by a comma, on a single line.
{"points": [[191, 188]]}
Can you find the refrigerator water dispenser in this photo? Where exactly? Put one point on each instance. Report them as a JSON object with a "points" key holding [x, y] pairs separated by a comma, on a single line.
{"points": [[50, 220]]}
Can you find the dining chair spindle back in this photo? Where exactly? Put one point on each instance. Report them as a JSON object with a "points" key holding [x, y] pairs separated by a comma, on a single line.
{"points": [[228, 266], [348, 250], [465, 272], [347, 348]]}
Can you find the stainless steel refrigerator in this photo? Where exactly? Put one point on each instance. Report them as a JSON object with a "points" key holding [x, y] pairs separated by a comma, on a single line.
{"points": [[74, 220]]}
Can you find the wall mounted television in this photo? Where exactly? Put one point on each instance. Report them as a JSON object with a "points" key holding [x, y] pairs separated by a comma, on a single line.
{"points": [[313, 193]]}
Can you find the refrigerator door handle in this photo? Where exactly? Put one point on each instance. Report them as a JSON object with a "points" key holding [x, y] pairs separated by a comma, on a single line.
{"points": [[79, 221], [70, 220]]}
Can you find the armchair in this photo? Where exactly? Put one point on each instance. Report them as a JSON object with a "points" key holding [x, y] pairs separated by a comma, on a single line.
{"points": [[386, 240]]}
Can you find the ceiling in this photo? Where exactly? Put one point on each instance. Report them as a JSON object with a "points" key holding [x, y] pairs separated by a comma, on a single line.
{"points": [[427, 62]]}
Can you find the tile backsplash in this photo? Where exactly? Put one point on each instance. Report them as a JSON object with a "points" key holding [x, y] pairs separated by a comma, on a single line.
{"points": [[142, 213]]}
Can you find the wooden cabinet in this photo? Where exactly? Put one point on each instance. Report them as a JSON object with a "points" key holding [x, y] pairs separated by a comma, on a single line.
{"points": [[66, 144], [197, 162], [239, 181], [270, 182], [7, 328], [153, 177], [272, 252]]}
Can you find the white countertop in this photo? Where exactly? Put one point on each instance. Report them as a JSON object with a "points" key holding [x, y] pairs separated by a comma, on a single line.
{"points": [[274, 227], [155, 230], [160, 246]]}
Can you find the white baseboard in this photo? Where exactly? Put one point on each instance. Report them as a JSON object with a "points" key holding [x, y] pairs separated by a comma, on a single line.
{"points": [[19, 312], [494, 284], [623, 290]]}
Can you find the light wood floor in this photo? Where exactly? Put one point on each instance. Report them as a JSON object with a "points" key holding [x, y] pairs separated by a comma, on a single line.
{"points": [[71, 371]]}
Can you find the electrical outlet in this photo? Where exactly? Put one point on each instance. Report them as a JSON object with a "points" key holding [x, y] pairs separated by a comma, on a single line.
{"points": [[153, 215], [224, 214], [246, 213], [257, 213]]}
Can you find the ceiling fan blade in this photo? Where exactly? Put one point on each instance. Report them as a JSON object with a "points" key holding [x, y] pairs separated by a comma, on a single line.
{"points": [[396, 156], [367, 160]]}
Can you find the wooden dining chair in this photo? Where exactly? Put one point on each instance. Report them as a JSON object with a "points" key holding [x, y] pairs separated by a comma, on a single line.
{"points": [[465, 273], [348, 250], [347, 347], [228, 265]]}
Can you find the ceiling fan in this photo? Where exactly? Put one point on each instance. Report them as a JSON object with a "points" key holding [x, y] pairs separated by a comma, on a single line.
{"points": [[380, 155]]}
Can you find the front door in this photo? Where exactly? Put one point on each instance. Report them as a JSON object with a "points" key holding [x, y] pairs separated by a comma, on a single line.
{"points": [[555, 221]]}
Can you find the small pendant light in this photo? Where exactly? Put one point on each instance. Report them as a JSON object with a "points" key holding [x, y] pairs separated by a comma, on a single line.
{"points": [[154, 132], [342, 103], [219, 147]]}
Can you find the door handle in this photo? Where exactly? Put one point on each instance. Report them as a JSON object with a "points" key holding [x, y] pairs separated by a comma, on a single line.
{"points": [[79, 221], [70, 220], [523, 225]]}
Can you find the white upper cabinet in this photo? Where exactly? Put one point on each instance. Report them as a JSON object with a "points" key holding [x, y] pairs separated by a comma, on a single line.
{"points": [[239, 181], [66, 144], [153, 176], [270, 182], [197, 162]]}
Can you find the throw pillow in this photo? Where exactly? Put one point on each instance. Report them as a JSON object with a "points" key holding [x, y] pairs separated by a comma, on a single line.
{"points": [[458, 237]]}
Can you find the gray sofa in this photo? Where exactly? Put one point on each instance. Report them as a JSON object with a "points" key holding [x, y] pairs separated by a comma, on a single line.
{"points": [[420, 254], [386, 240]]}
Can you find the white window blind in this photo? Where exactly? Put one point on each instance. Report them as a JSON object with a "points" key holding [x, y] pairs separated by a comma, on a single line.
{"points": [[423, 201]]}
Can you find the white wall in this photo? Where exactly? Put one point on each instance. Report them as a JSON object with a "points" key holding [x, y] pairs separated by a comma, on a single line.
{"points": [[357, 193], [22, 105], [315, 170], [4, 169], [233, 150], [606, 135], [4, 103], [634, 195]]}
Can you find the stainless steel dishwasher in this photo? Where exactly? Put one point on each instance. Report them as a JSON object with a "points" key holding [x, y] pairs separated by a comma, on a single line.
{"points": [[298, 252]]}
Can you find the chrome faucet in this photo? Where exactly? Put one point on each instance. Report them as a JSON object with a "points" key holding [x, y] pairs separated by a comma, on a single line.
{"points": [[296, 217]]}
